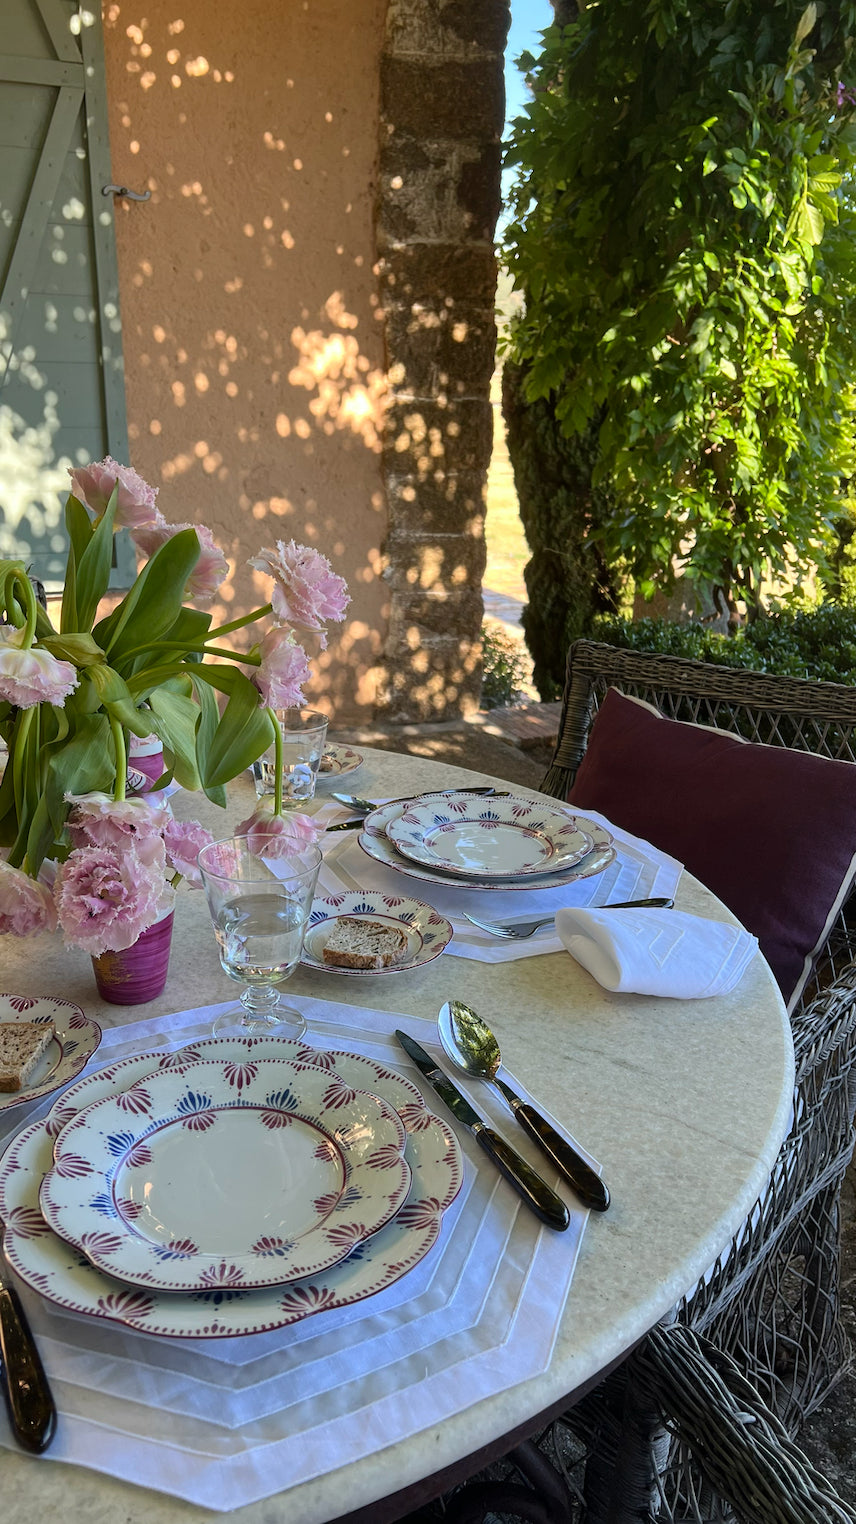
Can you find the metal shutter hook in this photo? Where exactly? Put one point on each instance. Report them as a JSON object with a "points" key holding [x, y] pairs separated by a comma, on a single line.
{"points": [[122, 190]]}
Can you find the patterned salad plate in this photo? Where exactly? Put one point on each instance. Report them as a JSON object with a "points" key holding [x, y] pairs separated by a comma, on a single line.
{"points": [[338, 760], [489, 838], [376, 844], [75, 1039], [64, 1276], [264, 1170], [426, 930]]}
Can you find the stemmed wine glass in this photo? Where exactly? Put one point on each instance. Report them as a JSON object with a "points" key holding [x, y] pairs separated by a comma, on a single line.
{"points": [[259, 903]]}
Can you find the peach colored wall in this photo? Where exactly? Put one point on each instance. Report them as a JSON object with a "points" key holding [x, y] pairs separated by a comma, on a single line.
{"points": [[253, 346]]}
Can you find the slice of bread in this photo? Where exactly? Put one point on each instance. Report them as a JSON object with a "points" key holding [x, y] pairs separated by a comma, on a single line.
{"points": [[22, 1044], [358, 943]]}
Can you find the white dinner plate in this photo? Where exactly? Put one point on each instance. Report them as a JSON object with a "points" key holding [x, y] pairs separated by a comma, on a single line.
{"points": [[75, 1039], [234, 1172], [489, 838], [426, 930], [376, 844], [59, 1273], [336, 761]]}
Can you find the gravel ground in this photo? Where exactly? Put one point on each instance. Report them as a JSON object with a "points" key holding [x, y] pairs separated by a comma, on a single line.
{"points": [[829, 1437]]}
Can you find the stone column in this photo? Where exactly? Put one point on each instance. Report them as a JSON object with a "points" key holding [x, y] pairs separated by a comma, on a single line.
{"points": [[441, 120]]}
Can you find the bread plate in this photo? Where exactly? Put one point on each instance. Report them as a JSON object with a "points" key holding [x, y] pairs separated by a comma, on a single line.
{"points": [[75, 1039], [336, 761], [427, 931]]}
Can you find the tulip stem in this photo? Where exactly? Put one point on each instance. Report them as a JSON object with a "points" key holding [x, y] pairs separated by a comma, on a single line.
{"points": [[196, 645], [239, 624], [277, 758], [121, 760]]}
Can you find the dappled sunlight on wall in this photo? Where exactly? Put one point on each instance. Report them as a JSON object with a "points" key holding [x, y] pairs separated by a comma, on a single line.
{"points": [[253, 346]]}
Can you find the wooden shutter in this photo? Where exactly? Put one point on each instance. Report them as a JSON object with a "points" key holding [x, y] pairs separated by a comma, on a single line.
{"points": [[62, 399]]}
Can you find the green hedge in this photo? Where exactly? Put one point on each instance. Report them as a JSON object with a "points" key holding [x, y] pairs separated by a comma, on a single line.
{"points": [[816, 643]]}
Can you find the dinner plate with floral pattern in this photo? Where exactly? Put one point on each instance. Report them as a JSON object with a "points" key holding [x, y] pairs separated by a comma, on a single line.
{"points": [[376, 844], [258, 1168], [489, 838], [427, 931], [76, 1037], [64, 1276]]}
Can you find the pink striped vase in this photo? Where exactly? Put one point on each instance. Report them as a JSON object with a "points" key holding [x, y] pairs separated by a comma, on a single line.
{"points": [[138, 973]]}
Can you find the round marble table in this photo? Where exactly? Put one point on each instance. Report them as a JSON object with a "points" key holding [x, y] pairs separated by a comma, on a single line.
{"points": [[684, 1103]]}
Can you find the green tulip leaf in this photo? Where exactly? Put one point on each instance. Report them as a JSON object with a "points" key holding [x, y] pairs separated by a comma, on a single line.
{"points": [[79, 648], [175, 716], [241, 736], [115, 697], [93, 566], [209, 719], [154, 603], [83, 763]]}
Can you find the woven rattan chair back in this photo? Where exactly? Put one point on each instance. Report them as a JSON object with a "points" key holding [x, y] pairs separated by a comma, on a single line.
{"points": [[772, 1300]]}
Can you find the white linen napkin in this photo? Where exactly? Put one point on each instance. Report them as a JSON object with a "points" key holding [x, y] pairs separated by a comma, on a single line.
{"points": [[657, 952]]}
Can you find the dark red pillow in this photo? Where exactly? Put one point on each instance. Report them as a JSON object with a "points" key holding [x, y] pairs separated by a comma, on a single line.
{"points": [[771, 831]]}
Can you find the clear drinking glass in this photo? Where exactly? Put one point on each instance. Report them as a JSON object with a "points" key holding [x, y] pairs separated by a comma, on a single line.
{"points": [[259, 905], [304, 735]]}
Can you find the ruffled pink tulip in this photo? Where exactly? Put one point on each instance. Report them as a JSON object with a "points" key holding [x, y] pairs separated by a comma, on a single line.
{"points": [[270, 835], [283, 671], [96, 820], [106, 897], [184, 840], [93, 485], [306, 590], [211, 568], [26, 906], [32, 676]]}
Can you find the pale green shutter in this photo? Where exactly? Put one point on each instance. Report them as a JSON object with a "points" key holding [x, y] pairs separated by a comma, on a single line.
{"points": [[62, 399]]}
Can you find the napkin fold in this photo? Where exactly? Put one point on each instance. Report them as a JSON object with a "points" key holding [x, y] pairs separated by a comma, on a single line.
{"points": [[657, 952]]}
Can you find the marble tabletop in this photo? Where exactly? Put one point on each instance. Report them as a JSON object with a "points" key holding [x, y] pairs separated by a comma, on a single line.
{"points": [[684, 1103]]}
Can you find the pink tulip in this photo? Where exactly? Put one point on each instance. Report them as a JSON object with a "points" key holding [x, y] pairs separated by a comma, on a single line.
{"points": [[93, 485], [270, 835], [283, 671], [96, 820], [106, 897], [184, 841], [26, 906], [306, 590], [32, 676], [209, 571]]}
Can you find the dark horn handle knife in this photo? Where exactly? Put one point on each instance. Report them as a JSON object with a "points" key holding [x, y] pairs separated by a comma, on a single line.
{"points": [[537, 1194], [25, 1386], [591, 1190]]}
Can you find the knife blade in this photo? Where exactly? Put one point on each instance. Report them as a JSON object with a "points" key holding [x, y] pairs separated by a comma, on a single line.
{"points": [[537, 1194], [32, 1412], [348, 825], [355, 802]]}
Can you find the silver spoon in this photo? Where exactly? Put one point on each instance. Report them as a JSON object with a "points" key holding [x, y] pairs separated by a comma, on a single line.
{"points": [[469, 1043]]}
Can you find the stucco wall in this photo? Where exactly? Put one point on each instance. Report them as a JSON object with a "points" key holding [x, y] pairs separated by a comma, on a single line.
{"points": [[252, 334]]}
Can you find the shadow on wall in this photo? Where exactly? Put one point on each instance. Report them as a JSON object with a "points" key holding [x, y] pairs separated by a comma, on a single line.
{"points": [[255, 365]]}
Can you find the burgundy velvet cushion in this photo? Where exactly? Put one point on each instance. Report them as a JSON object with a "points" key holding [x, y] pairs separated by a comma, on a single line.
{"points": [[771, 831]]}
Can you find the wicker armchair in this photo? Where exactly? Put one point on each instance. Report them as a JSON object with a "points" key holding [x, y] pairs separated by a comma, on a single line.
{"points": [[741, 1450], [772, 1300]]}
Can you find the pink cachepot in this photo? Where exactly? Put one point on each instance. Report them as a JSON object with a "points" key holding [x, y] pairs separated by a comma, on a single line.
{"points": [[138, 973]]}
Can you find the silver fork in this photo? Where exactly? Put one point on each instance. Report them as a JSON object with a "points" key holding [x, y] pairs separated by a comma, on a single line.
{"points": [[523, 929]]}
